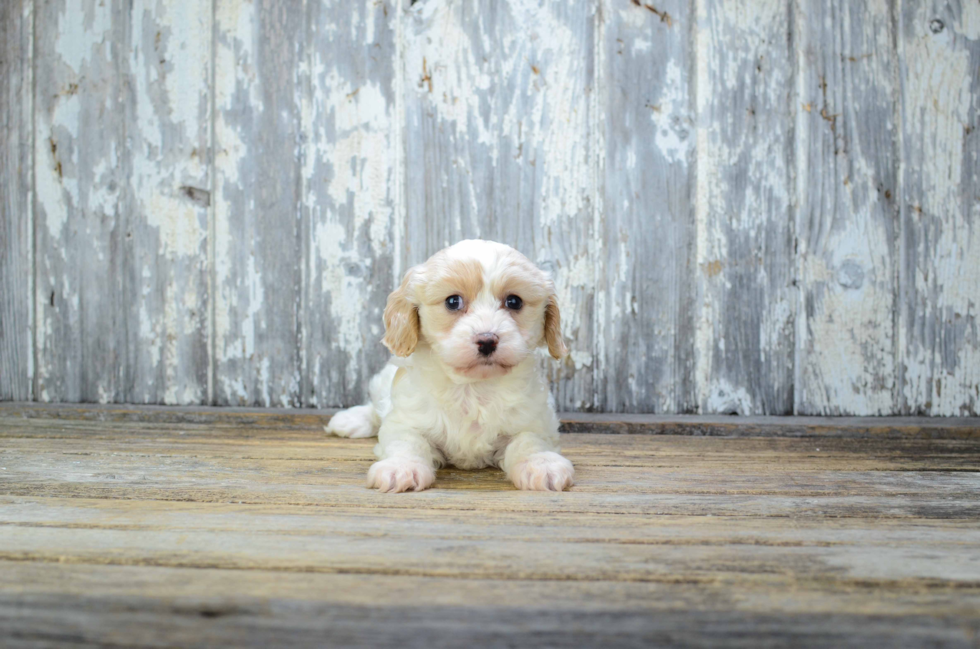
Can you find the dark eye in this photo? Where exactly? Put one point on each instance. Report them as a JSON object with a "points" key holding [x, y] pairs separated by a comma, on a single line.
{"points": [[514, 302], [454, 303]]}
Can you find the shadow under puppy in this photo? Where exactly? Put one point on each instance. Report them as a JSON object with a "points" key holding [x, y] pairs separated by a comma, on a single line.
{"points": [[466, 390]]}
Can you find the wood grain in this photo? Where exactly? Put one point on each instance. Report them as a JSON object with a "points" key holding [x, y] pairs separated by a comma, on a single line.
{"points": [[350, 187], [939, 341], [121, 145], [242, 420], [168, 137], [16, 200], [260, 238], [645, 334], [81, 187], [848, 207], [744, 240], [195, 533], [752, 207], [498, 102], [92, 605]]}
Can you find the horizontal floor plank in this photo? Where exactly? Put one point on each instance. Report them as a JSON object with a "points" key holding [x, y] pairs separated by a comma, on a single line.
{"points": [[699, 425], [471, 546], [147, 607], [121, 527]]}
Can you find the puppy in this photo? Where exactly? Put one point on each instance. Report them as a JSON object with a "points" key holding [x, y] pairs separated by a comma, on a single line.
{"points": [[468, 392]]}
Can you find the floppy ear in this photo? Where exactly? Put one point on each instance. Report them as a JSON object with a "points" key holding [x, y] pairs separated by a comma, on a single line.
{"points": [[552, 329], [402, 317]]}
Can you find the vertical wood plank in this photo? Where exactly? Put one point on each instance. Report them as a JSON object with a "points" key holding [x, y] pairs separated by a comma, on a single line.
{"points": [[259, 234], [349, 176], [81, 167], [16, 206], [168, 142], [939, 344], [745, 337], [498, 102], [122, 128], [847, 195], [646, 326], [450, 80]]}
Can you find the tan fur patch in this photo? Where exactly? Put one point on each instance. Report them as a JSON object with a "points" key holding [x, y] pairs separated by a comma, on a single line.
{"points": [[552, 330], [401, 317], [463, 277], [533, 290]]}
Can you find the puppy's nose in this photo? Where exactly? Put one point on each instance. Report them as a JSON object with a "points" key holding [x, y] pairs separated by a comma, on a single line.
{"points": [[487, 343]]}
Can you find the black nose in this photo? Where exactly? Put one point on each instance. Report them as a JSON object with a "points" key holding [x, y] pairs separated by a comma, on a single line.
{"points": [[487, 343]]}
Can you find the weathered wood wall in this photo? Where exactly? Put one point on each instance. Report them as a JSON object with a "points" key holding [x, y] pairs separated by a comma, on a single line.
{"points": [[749, 206]]}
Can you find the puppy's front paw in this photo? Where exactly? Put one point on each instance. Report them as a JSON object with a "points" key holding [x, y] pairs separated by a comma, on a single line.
{"points": [[547, 471], [354, 422], [398, 474]]}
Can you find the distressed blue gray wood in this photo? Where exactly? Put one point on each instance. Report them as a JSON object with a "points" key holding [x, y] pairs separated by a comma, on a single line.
{"points": [[499, 123], [121, 146], [749, 206], [16, 194], [645, 300], [259, 238], [168, 144], [745, 264], [939, 333], [847, 196], [80, 174], [350, 132]]}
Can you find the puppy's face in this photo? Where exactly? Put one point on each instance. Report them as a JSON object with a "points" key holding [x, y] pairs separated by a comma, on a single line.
{"points": [[481, 306]]}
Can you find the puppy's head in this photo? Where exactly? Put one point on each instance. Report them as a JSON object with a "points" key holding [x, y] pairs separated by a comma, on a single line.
{"points": [[481, 306]]}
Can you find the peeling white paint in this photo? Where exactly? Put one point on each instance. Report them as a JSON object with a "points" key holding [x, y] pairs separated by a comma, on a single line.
{"points": [[724, 398], [673, 118], [82, 29], [939, 345], [742, 132], [511, 108]]}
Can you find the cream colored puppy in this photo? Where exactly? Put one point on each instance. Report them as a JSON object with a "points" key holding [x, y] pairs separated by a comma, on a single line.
{"points": [[468, 392]]}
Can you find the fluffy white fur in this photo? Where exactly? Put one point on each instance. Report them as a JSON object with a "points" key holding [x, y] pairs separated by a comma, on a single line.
{"points": [[443, 402]]}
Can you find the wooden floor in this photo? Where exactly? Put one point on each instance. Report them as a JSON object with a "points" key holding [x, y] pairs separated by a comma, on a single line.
{"points": [[156, 528]]}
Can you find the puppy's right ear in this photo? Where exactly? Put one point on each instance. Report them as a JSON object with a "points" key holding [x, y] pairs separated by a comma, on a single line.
{"points": [[402, 317]]}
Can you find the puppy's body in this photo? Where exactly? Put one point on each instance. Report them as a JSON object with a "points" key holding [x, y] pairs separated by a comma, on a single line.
{"points": [[450, 401]]}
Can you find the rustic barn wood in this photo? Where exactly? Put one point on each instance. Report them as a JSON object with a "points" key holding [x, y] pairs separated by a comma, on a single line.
{"points": [[148, 527], [744, 346], [939, 338], [258, 235], [848, 209], [121, 143], [645, 299], [350, 194], [16, 196], [241, 419], [752, 207]]}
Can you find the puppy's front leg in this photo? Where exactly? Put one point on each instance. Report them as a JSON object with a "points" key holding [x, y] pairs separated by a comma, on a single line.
{"points": [[406, 462], [532, 462]]}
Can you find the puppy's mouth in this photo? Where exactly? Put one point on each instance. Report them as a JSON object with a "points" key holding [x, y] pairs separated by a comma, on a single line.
{"points": [[488, 362], [485, 364]]}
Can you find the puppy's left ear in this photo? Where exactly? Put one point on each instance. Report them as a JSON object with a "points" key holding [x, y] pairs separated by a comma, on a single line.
{"points": [[552, 329]]}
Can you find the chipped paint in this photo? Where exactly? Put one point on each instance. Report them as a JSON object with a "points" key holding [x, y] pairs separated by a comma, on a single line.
{"points": [[743, 206], [731, 228], [672, 116], [349, 183], [939, 334], [846, 233]]}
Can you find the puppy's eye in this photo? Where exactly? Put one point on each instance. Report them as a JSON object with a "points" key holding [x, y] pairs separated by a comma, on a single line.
{"points": [[454, 303], [513, 302]]}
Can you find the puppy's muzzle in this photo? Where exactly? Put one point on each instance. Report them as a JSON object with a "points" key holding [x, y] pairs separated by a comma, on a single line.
{"points": [[486, 343]]}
